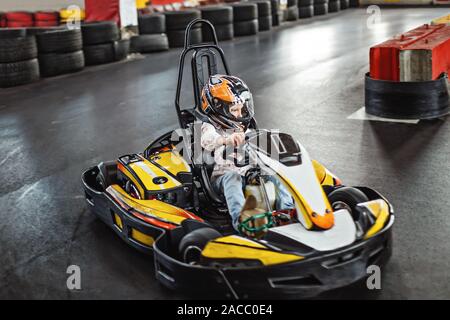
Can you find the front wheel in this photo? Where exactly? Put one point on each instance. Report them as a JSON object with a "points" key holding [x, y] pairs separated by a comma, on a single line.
{"points": [[347, 198], [192, 244]]}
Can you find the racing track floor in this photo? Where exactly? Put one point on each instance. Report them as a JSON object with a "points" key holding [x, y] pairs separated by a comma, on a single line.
{"points": [[307, 78]]}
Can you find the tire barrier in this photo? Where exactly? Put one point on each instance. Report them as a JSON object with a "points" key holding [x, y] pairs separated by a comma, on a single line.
{"points": [[152, 23], [334, 6], [245, 15], [306, 12], [407, 100], [102, 44], [18, 63], [320, 7], [305, 8], [176, 23], [152, 37], [292, 10], [55, 64], [345, 4], [264, 15], [147, 43], [221, 18], [275, 10]]}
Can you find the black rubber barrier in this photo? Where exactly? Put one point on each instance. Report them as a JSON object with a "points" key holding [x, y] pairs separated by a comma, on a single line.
{"points": [[407, 100]]}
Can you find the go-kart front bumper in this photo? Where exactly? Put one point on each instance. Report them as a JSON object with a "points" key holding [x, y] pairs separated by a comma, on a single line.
{"points": [[300, 279]]}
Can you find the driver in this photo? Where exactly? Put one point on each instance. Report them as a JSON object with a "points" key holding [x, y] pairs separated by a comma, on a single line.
{"points": [[228, 104]]}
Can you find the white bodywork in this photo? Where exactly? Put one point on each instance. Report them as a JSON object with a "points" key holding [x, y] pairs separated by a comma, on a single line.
{"points": [[342, 234], [303, 177]]}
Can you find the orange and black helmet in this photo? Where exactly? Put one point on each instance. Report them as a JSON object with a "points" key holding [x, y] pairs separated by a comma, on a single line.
{"points": [[220, 94]]}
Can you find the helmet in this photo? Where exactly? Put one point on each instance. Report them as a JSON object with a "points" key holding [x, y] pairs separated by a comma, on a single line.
{"points": [[220, 98]]}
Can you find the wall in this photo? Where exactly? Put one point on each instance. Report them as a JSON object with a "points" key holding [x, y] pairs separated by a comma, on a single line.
{"points": [[34, 5]]}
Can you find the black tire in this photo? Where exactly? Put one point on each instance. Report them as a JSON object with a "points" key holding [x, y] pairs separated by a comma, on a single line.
{"points": [[292, 3], [347, 197], [345, 4], [194, 242], [12, 33], [54, 64], [60, 41], [33, 31], [17, 49], [274, 6], [121, 49], [176, 37], [334, 6], [292, 13], [244, 11], [246, 28], [223, 32], [263, 7], [305, 3], [353, 3], [99, 32], [275, 20], [148, 43], [178, 20], [316, 2], [99, 54], [306, 12], [152, 24], [320, 9], [217, 15], [265, 23], [18, 73]]}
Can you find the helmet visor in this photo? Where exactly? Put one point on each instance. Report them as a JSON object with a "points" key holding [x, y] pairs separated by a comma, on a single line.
{"points": [[241, 109]]}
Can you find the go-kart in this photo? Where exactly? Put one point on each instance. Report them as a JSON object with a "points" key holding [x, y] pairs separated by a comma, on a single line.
{"points": [[161, 202]]}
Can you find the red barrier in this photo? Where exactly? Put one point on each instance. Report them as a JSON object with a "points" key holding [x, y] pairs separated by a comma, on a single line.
{"points": [[46, 16], [48, 23], [384, 57], [18, 19], [102, 10]]}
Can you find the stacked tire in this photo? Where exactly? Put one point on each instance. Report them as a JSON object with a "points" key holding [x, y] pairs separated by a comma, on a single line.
{"points": [[292, 10], [102, 44], [152, 34], [276, 13], [245, 19], [176, 23], [345, 4], [334, 5], [264, 15], [18, 53], [320, 7], [60, 52], [305, 8], [221, 18], [18, 19], [46, 19]]}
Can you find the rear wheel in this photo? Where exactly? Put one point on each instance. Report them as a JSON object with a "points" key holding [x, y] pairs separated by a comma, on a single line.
{"points": [[192, 244], [347, 198]]}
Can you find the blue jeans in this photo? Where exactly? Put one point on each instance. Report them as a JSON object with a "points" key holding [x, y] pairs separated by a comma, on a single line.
{"points": [[231, 185]]}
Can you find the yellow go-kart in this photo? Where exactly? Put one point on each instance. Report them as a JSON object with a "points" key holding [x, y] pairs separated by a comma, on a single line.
{"points": [[161, 202]]}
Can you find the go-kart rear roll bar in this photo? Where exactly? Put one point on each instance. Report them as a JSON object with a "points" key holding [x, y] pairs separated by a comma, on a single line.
{"points": [[200, 51]]}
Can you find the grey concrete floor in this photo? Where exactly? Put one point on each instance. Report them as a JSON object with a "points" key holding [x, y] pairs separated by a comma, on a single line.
{"points": [[307, 78]]}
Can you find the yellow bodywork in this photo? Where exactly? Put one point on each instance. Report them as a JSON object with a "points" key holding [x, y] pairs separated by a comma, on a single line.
{"points": [[380, 210], [235, 247], [325, 177], [442, 20], [147, 171], [151, 208], [172, 161], [141, 237]]}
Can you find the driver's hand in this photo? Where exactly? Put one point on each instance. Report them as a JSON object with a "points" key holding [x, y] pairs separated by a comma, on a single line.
{"points": [[236, 139]]}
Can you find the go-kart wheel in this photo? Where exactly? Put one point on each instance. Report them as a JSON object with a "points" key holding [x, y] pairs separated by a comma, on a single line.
{"points": [[347, 198], [192, 244]]}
